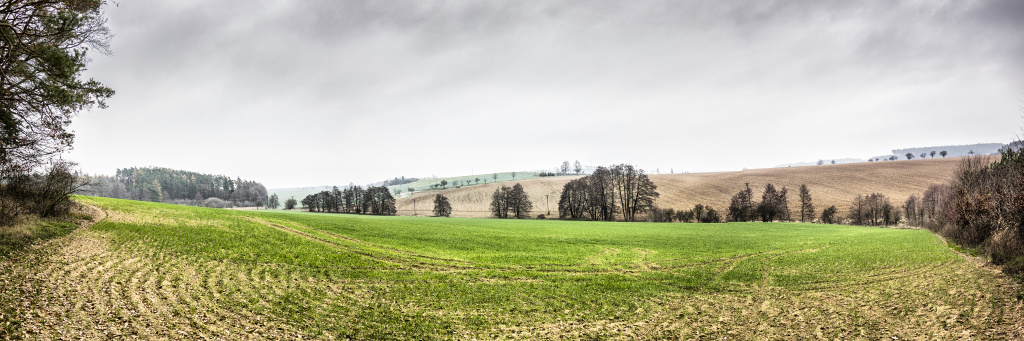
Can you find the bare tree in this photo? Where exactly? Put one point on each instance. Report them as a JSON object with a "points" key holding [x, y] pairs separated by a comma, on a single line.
{"points": [[636, 192], [578, 168], [565, 168]]}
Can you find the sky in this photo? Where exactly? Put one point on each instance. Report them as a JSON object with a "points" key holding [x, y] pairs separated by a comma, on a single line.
{"points": [[305, 93]]}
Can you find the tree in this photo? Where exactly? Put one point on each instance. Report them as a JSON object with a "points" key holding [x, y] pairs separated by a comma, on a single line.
{"points": [[272, 202], [699, 213], [495, 176], [477, 181], [712, 216], [500, 202], [564, 168], [932, 154], [290, 203], [910, 156], [519, 203], [821, 162], [773, 205], [591, 196], [513, 175], [806, 206], [634, 190], [943, 153], [43, 48], [684, 216], [444, 183], [924, 155], [741, 207], [829, 216], [578, 168], [442, 208], [411, 190]]}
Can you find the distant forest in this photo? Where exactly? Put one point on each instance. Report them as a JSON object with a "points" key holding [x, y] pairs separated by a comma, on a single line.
{"points": [[177, 187]]}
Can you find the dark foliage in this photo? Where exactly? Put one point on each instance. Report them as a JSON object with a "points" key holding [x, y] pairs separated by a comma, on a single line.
{"points": [[742, 207], [830, 216], [167, 185], [442, 208]]}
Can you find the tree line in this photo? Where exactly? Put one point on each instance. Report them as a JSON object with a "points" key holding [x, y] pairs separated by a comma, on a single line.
{"points": [[981, 208], [375, 200], [620, 190], [176, 186]]}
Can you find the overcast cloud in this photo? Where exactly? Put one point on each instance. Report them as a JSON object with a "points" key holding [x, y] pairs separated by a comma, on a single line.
{"points": [[300, 93]]}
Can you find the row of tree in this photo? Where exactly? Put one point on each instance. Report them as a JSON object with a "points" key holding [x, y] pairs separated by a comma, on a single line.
{"points": [[577, 168], [774, 205], [700, 213], [376, 200], [621, 190], [178, 186]]}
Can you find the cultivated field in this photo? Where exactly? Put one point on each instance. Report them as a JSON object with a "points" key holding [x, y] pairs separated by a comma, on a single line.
{"points": [[829, 185], [172, 272]]}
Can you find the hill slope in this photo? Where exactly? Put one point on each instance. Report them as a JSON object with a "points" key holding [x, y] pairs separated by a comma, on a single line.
{"points": [[829, 185]]}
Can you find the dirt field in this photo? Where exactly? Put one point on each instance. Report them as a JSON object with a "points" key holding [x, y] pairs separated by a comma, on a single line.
{"points": [[829, 185]]}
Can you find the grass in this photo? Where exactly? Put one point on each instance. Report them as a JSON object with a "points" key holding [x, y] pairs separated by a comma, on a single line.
{"points": [[163, 271]]}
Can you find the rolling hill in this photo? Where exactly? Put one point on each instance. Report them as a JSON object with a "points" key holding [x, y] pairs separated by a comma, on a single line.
{"points": [[829, 185]]}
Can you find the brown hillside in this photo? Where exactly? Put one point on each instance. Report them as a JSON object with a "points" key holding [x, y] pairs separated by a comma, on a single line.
{"points": [[829, 185]]}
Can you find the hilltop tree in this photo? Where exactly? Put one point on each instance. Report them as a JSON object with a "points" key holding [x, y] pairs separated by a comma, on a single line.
{"points": [[806, 206], [578, 168], [943, 153], [442, 208]]}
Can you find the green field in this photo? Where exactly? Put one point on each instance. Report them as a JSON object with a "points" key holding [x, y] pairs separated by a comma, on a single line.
{"points": [[163, 271]]}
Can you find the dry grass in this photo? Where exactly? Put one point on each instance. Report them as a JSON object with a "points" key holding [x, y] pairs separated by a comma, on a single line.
{"points": [[829, 185]]}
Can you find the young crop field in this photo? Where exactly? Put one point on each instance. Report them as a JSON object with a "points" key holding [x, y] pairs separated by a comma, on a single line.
{"points": [[151, 270]]}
